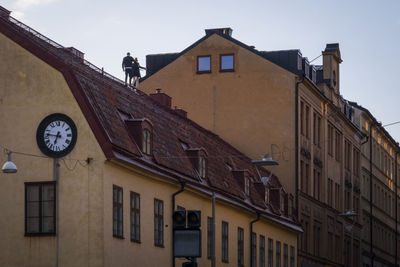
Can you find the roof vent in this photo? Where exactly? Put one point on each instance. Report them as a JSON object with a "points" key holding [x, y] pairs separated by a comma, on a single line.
{"points": [[220, 31]]}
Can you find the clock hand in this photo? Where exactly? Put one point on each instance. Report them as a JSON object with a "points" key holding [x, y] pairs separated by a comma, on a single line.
{"points": [[50, 134], [57, 136]]}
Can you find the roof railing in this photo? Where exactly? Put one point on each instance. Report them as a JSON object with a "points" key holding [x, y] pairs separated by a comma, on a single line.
{"points": [[25, 28]]}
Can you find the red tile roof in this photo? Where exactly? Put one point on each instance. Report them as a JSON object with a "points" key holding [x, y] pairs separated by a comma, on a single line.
{"points": [[101, 97]]}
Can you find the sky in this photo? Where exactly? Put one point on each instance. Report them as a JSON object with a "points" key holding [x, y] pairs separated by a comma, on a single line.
{"points": [[368, 33]]}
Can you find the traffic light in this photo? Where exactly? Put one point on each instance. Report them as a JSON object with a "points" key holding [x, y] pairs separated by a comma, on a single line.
{"points": [[194, 219], [179, 219]]}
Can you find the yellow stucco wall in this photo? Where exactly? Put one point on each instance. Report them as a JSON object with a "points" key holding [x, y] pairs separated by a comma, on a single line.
{"points": [[239, 105], [123, 252], [30, 90]]}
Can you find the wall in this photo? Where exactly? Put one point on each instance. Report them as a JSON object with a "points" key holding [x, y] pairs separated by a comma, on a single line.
{"points": [[254, 103], [29, 91], [123, 252]]}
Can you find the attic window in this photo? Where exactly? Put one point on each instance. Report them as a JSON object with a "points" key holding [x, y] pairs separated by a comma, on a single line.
{"points": [[227, 63], [247, 186], [282, 201], [146, 142], [203, 64], [202, 166], [266, 195]]}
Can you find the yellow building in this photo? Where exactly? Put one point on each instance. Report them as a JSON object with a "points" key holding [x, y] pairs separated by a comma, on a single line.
{"points": [[101, 168], [276, 103], [383, 224]]}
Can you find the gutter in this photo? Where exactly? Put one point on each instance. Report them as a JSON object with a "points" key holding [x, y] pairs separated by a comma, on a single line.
{"points": [[296, 141], [370, 196], [173, 210], [251, 239], [396, 211]]}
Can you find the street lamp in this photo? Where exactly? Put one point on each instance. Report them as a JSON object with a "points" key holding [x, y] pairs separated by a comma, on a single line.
{"points": [[9, 166], [265, 161]]}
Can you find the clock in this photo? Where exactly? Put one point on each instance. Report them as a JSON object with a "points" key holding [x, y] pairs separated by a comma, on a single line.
{"points": [[56, 135]]}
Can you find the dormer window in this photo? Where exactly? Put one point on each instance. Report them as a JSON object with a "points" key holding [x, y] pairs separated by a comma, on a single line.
{"points": [[198, 158], [247, 186], [146, 142], [266, 195], [141, 132], [202, 167]]}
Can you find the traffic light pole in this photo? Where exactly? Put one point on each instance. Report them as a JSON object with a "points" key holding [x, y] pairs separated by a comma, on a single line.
{"points": [[173, 210]]}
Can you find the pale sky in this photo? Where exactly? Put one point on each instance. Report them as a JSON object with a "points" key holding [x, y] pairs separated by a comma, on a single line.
{"points": [[368, 33]]}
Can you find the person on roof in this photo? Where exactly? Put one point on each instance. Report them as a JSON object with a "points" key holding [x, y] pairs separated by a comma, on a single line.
{"points": [[136, 72], [127, 65]]}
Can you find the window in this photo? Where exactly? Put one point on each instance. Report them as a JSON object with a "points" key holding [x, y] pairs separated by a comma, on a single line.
{"points": [[247, 186], [278, 254], [135, 217], [158, 223], [117, 212], [202, 166], [317, 182], [330, 192], [227, 63], [330, 140], [285, 255], [338, 146], [254, 249], [262, 251], [291, 256], [240, 246], [302, 118], [270, 252], [317, 130], [307, 122], [225, 233], [146, 145], [317, 238], [209, 236], [40, 208], [347, 151], [203, 64]]}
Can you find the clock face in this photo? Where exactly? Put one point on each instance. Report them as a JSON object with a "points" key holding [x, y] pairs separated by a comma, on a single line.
{"points": [[56, 135]]}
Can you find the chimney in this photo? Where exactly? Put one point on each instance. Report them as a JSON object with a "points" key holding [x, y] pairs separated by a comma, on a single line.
{"points": [[220, 31], [161, 98], [181, 112], [4, 13]]}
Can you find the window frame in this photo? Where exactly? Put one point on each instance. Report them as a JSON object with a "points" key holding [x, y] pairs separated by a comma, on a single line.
{"points": [[270, 252], [40, 209], [158, 221], [135, 225], [225, 242], [262, 251], [147, 138], [233, 62], [240, 234], [202, 166], [120, 207], [197, 65]]}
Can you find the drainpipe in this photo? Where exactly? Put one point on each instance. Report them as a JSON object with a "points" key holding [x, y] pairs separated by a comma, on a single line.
{"points": [[395, 220], [213, 262], [370, 195], [296, 141], [251, 238], [173, 209]]}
